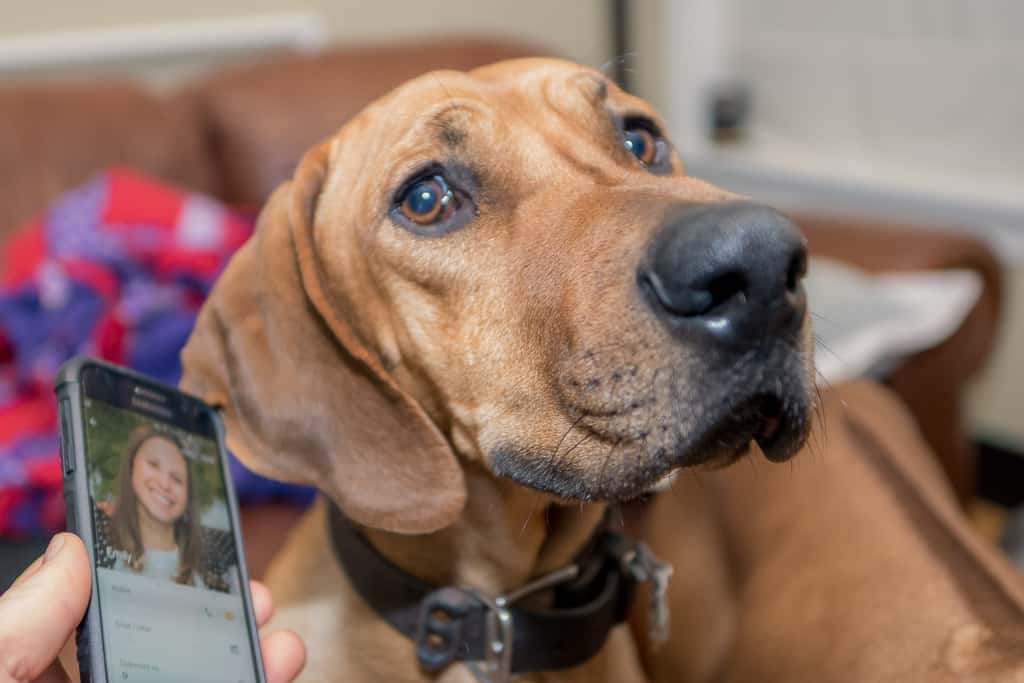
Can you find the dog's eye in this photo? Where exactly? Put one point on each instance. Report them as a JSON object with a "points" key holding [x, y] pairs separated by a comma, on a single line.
{"points": [[641, 138], [428, 201], [642, 144]]}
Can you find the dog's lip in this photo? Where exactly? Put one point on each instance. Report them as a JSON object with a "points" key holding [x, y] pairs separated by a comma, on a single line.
{"points": [[772, 421], [769, 420], [780, 432]]}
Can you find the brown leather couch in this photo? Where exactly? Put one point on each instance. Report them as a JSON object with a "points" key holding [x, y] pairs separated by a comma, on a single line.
{"points": [[238, 133]]}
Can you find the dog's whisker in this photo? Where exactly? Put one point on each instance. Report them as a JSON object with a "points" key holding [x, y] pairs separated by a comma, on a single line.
{"points": [[823, 318], [821, 433], [618, 60], [553, 461], [826, 347], [526, 522], [622, 519], [582, 440], [819, 407], [558, 447], [618, 344], [676, 416], [604, 466]]}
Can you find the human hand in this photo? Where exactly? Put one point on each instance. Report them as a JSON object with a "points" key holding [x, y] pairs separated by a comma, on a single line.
{"points": [[39, 613]]}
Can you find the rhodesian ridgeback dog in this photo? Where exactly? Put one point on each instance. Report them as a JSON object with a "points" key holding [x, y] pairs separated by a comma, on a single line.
{"points": [[489, 306]]}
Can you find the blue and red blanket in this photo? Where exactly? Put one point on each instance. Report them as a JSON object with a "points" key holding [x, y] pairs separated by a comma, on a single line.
{"points": [[115, 269]]}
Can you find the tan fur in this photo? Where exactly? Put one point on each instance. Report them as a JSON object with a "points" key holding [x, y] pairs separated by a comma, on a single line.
{"points": [[389, 367], [851, 563]]}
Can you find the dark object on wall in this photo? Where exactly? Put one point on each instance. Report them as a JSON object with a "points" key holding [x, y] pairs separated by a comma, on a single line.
{"points": [[729, 110], [620, 27]]}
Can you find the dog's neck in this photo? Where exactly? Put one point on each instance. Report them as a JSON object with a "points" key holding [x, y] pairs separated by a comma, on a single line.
{"points": [[507, 534]]}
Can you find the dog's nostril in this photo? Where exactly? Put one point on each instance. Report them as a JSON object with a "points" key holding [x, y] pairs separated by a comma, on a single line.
{"points": [[797, 269], [723, 288]]}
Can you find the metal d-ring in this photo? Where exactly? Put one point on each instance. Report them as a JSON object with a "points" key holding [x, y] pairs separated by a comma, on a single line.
{"points": [[497, 664]]}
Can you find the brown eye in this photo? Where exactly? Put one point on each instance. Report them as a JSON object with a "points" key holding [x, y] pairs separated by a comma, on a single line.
{"points": [[642, 143], [428, 201]]}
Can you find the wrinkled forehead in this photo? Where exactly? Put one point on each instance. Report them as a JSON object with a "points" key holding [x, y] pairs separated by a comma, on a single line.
{"points": [[559, 84], [447, 106]]}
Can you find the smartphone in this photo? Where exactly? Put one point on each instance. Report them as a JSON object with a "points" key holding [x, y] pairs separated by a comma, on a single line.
{"points": [[147, 488]]}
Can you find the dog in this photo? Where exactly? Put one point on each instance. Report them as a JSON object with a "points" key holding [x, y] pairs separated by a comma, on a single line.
{"points": [[488, 307]]}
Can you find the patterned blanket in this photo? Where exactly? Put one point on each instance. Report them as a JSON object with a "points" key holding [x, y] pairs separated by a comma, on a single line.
{"points": [[115, 269]]}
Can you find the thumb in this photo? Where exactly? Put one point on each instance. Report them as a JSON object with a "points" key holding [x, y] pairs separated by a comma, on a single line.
{"points": [[40, 611]]}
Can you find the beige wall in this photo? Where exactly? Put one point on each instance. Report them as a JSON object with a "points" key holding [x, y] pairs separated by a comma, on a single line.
{"points": [[577, 25], [574, 28]]}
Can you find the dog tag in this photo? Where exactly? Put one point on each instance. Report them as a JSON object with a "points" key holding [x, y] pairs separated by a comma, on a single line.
{"points": [[646, 567]]}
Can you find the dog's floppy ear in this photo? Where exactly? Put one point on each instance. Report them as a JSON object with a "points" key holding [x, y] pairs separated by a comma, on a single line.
{"points": [[304, 400]]}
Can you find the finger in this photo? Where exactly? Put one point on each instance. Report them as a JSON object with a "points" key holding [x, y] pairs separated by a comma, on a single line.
{"points": [[262, 602], [69, 660], [284, 655], [53, 674], [40, 613]]}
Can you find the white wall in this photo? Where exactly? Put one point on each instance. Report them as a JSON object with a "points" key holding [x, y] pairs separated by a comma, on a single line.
{"points": [[920, 83]]}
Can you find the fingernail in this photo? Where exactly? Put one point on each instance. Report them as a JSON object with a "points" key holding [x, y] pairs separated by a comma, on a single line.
{"points": [[56, 543]]}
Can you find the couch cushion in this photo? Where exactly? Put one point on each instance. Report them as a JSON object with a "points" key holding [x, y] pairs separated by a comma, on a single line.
{"points": [[53, 137], [263, 117]]}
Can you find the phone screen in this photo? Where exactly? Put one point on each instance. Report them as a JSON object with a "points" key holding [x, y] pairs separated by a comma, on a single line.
{"points": [[167, 570]]}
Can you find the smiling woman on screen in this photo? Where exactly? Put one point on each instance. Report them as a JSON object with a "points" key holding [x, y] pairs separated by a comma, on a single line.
{"points": [[153, 528], [155, 524]]}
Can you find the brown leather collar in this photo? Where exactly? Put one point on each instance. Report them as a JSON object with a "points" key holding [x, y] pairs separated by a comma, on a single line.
{"points": [[492, 635]]}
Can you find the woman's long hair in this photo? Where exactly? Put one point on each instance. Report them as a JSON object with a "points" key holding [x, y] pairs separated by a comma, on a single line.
{"points": [[125, 520]]}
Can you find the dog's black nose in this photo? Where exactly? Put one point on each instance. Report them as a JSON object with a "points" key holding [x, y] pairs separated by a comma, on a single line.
{"points": [[731, 270]]}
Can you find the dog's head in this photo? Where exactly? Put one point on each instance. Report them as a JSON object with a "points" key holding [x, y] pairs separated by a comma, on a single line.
{"points": [[508, 267]]}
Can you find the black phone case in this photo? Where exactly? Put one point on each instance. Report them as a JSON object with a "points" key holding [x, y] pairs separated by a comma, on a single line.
{"points": [[89, 636]]}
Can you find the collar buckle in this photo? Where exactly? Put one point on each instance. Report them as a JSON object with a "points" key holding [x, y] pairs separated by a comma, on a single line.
{"points": [[496, 666], [440, 625]]}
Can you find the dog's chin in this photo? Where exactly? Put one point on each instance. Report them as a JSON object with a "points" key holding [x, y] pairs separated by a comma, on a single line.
{"points": [[778, 424]]}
